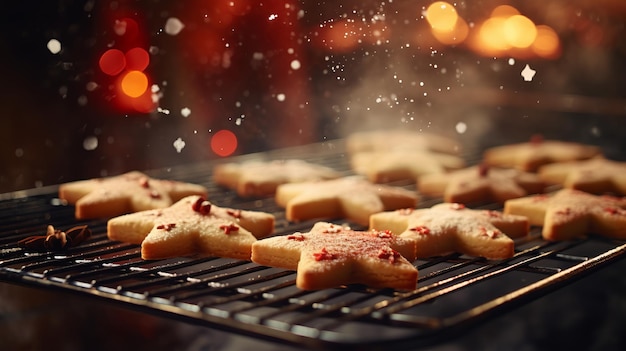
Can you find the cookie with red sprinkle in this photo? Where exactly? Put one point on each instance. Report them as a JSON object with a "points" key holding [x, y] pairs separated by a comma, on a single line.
{"points": [[125, 193], [452, 227], [351, 197], [191, 226], [400, 139], [260, 178], [596, 176], [531, 155], [331, 255], [481, 183], [385, 166], [568, 214]]}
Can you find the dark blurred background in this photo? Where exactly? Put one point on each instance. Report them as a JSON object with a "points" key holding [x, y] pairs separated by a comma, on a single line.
{"points": [[282, 73]]}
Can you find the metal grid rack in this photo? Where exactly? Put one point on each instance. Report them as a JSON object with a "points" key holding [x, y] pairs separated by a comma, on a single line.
{"points": [[250, 299]]}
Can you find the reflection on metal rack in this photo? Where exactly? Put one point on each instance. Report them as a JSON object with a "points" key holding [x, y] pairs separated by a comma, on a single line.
{"points": [[251, 299]]}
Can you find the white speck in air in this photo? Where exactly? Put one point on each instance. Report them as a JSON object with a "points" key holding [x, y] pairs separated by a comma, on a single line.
{"points": [[54, 46], [163, 110], [280, 97], [19, 152], [528, 73], [257, 56], [90, 143], [173, 26], [295, 65], [91, 86], [179, 144], [238, 121], [185, 112], [272, 17], [155, 88], [119, 27], [461, 127], [82, 100], [511, 61]]}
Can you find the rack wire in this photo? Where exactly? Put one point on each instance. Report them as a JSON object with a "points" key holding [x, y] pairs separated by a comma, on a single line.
{"points": [[453, 291]]}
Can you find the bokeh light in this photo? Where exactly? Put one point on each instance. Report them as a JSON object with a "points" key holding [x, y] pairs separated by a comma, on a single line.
{"points": [[519, 31], [137, 59], [442, 16], [112, 62], [224, 143], [547, 43], [134, 83]]}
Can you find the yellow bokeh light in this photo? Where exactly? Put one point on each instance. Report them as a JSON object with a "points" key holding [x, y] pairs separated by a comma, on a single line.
{"points": [[134, 83], [442, 16], [491, 37], [547, 43], [519, 31], [455, 36], [504, 11]]}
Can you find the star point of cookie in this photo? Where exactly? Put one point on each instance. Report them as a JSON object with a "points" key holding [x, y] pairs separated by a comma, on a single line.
{"points": [[451, 227], [384, 166], [260, 178], [568, 214], [352, 197], [331, 255], [529, 156], [596, 176], [128, 192], [481, 183], [192, 225]]}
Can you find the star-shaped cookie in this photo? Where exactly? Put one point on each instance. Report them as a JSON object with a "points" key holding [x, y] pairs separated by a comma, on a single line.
{"points": [[352, 197], [400, 139], [192, 226], [451, 227], [129, 192], [481, 183], [331, 255], [569, 213], [529, 156], [260, 178], [596, 176], [384, 166]]}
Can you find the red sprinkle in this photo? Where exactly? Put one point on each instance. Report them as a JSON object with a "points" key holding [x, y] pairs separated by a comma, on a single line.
{"points": [[489, 232], [613, 210], [166, 227], [421, 230], [385, 234], [201, 206], [143, 181], [296, 237], [566, 211], [483, 170], [229, 228], [234, 213], [390, 254], [323, 255], [333, 229]]}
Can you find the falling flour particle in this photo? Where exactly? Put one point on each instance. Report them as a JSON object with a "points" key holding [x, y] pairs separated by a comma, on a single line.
{"points": [[173, 26], [185, 112], [179, 144], [91, 86], [295, 65], [461, 127], [528, 73], [54, 46], [511, 61], [90, 143], [280, 97]]}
